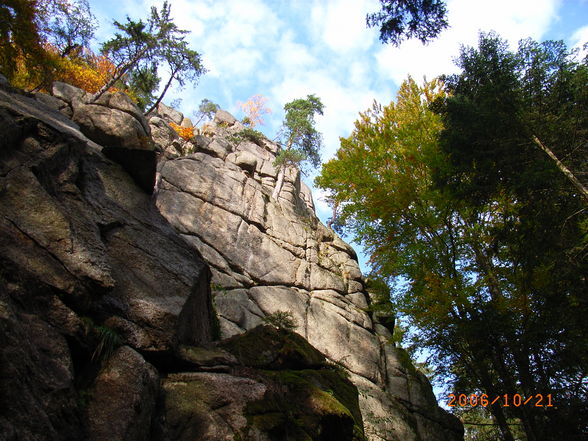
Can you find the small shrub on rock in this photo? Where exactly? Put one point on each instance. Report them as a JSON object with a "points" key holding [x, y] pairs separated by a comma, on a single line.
{"points": [[248, 134], [281, 320]]}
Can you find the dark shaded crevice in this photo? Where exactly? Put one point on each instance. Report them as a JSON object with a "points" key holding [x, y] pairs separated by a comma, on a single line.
{"points": [[108, 229]]}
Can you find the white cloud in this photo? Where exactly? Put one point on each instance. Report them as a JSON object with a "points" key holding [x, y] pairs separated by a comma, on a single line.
{"points": [[512, 20], [579, 37], [340, 24], [291, 56]]}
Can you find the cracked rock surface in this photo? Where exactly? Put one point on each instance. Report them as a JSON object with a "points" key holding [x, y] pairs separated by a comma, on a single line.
{"points": [[106, 309], [270, 255]]}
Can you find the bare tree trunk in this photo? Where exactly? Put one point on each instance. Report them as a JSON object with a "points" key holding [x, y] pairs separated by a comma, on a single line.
{"points": [[154, 106], [123, 70], [279, 183], [562, 168]]}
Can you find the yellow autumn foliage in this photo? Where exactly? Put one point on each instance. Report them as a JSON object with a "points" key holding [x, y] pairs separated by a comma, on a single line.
{"points": [[186, 133], [88, 72], [89, 75]]}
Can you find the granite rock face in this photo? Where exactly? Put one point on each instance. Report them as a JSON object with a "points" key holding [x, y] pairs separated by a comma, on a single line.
{"points": [[106, 309], [287, 390], [271, 255], [86, 264]]}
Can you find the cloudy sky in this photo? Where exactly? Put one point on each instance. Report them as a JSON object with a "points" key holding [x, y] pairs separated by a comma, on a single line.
{"points": [[287, 49]]}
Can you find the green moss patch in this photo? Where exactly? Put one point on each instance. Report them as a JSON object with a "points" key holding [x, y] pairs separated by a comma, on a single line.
{"points": [[318, 404], [270, 348]]}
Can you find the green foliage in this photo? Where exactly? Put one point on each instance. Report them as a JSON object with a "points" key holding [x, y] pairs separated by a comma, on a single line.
{"points": [[299, 132], [476, 229], [183, 63], [405, 19], [289, 157], [206, 111], [68, 25], [281, 320], [532, 255], [108, 341], [140, 45], [248, 134], [143, 81]]}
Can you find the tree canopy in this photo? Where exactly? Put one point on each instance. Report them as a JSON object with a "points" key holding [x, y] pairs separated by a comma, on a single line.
{"points": [[141, 45], [20, 37], [478, 230], [300, 139], [404, 19]]}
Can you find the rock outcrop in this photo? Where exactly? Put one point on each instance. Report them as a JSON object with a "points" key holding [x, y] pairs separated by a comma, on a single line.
{"points": [[106, 309], [271, 255]]}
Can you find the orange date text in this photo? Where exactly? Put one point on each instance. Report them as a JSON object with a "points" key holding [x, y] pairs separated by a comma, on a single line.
{"points": [[505, 400]]}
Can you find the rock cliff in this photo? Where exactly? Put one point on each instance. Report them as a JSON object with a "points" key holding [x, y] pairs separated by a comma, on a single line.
{"points": [[271, 255], [106, 307]]}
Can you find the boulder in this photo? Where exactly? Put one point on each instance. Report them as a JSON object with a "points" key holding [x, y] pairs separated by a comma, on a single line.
{"points": [[77, 222], [39, 400], [206, 406], [281, 388], [68, 93], [50, 101], [123, 398], [246, 160], [112, 127], [161, 133], [121, 101], [169, 114], [186, 122], [223, 117], [270, 348]]}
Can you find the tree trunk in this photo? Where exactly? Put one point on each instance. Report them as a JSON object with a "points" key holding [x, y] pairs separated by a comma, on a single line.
{"points": [[492, 391], [279, 183], [123, 70], [562, 168], [154, 106]]}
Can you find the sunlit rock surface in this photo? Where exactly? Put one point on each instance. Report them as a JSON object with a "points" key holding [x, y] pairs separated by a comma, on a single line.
{"points": [[271, 255], [106, 309]]}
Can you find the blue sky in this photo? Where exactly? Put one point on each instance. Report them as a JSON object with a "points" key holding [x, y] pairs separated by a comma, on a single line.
{"points": [[288, 49]]}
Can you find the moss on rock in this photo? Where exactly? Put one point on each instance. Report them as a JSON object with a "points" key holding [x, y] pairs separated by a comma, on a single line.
{"points": [[270, 348], [307, 404]]}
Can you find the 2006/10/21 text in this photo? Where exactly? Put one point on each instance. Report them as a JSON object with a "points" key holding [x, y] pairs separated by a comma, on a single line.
{"points": [[506, 400]]}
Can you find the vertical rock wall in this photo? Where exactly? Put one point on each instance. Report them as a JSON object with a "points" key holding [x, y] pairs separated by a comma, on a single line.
{"points": [[271, 255]]}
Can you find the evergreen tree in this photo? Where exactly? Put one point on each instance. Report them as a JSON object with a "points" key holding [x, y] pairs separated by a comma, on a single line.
{"points": [[404, 19], [141, 44], [300, 139], [481, 242]]}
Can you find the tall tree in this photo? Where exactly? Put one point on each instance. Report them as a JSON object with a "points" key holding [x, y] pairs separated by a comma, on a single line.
{"points": [[403, 19], [470, 265], [159, 40], [300, 139], [504, 106], [183, 63], [68, 25], [19, 37]]}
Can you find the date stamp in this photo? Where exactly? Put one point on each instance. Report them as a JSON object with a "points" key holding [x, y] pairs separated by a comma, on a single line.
{"points": [[505, 400]]}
